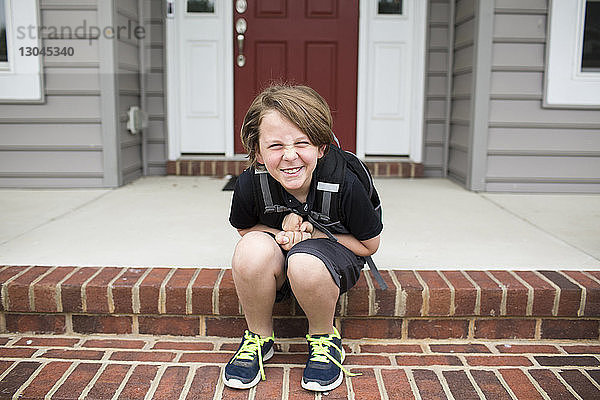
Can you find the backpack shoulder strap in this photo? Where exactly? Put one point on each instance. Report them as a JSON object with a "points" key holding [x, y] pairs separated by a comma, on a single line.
{"points": [[330, 179], [265, 189]]}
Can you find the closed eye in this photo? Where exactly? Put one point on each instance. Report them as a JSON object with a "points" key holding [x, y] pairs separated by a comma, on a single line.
{"points": [[275, 146]]}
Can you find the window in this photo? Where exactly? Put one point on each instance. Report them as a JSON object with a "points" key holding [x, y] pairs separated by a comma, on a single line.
{"points": [[389, 7], [3, 45], [572, 77], [201, 6], [20, 75], [590, 59]]}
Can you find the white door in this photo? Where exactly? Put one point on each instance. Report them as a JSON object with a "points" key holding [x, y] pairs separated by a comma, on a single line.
{"points": [[391, 78], [199, 70]]}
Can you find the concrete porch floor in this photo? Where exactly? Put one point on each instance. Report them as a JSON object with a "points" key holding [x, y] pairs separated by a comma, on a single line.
{"points": [[183, 221]]}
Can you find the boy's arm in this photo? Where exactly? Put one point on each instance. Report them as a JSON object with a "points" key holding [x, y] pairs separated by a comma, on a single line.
{"points": [[286, 239], [259, 228], [362, 248]]}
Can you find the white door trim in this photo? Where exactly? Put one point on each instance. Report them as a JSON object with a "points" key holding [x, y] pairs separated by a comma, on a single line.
{"points": [[418, 83], [361, 89], [229, 57], [171, 57]]}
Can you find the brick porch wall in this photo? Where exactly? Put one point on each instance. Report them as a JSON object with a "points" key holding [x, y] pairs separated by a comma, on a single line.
{"points": [[221, 168], [495, 304]]}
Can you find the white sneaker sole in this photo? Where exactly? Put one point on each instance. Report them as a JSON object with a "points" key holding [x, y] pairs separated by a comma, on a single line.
{"points": [[315, 387], [237, 384]]}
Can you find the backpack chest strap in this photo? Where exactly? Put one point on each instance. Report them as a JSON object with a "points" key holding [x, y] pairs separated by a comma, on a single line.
{"points": [[327, 189]]}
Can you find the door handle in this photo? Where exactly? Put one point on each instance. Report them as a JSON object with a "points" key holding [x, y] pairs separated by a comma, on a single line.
{"points": [[240, 42], [241, 58], [240, 28]]}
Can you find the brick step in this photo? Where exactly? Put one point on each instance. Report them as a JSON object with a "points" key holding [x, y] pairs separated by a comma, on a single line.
{"points": [[104, 367], [223, 167], [495, 304]]}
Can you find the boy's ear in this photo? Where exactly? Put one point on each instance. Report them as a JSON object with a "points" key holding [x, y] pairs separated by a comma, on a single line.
{"points": [[259, 156], [322, 150]]}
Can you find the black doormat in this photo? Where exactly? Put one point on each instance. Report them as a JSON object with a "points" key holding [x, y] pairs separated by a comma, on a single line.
{"points": [[230, 184]]}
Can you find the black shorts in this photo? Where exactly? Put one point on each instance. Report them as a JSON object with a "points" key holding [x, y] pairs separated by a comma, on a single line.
{"points": [[343, 265]]}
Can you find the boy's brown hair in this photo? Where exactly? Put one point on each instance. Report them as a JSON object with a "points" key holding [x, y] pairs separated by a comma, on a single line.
{"points": [[301, 105]]}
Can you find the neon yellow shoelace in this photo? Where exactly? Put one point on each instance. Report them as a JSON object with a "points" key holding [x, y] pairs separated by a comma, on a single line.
{"points": [[253, 345], [320, 351]]}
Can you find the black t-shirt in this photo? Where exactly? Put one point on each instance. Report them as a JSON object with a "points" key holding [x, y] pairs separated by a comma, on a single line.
{"points": [[359, 216]]}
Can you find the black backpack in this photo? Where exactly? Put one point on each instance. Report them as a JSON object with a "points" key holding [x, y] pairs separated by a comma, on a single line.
{"points": [[330, 178], [326, 211]]}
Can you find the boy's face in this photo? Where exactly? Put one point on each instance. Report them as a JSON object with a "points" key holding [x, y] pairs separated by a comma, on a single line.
{"points": [[287, 153]]}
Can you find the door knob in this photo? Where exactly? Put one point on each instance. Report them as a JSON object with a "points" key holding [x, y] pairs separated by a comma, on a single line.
{"points": [[241, 25], [241, 6]]}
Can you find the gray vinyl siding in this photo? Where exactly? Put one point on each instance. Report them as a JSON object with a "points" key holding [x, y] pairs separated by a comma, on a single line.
{"points": [[531, 148], [156, 133], [72, 139], [436, 85], [58, 143], [462, 91]]}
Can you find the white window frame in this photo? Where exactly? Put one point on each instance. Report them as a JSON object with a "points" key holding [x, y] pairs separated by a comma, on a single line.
{"points": [[566, 86], [21, 79]]}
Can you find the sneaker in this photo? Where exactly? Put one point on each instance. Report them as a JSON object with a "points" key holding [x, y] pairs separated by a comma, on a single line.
{"points": [[324, 371], [245, 369]]}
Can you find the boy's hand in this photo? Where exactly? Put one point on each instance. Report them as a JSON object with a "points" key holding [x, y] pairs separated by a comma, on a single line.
{"points": [[288, 239], [307, 227], [291, 222], [294, 231]]}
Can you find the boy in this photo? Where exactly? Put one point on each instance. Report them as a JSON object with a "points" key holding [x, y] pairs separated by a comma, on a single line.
{"points": [[286, 131]]}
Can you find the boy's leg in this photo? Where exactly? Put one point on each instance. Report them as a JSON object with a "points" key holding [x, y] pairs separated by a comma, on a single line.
{"points": [[258, 272], [319, 270], [315, 290]]}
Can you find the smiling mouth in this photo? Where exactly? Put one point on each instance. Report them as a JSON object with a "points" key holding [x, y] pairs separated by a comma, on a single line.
{"points": [[291, 171]]}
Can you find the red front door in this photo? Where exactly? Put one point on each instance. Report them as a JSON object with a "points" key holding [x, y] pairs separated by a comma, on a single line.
{"points": [[311, 42]]}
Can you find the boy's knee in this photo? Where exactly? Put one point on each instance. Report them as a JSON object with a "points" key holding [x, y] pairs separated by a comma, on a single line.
{"points": [[306, 268], [255, 248]]}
